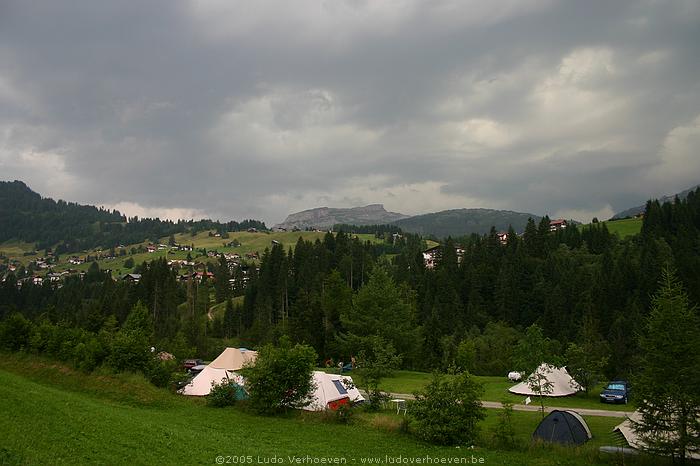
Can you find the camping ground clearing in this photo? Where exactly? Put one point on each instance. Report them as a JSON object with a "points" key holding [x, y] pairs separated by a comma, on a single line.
{"points": [[52, 414]]}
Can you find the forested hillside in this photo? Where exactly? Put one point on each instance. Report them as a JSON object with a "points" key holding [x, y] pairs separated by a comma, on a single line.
{"points": [[68, 226], [458, 222], [343, 296]]}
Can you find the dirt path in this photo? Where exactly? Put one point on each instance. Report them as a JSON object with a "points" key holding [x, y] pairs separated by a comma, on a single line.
{"points": [[532, 407]]}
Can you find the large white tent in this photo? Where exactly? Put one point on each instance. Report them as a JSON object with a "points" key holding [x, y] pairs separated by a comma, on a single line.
{"points": [[626, 430], [220, 369], [562, 383], [332, 390]]}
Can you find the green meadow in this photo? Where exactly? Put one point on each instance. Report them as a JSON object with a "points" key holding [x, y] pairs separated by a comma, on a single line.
{"points": [[55, 415], [249, 243], [625, 227]]}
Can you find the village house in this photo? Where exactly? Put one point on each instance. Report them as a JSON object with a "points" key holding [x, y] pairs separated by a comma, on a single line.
{"points": [[131, 277], [557, 224], [502, 237], [432, 255]]}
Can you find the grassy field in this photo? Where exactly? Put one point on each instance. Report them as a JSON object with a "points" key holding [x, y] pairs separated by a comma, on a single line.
{"points": [[496, 389], [15, 248], [54, 415], [625, 227], [249, 243], [218, 310]]}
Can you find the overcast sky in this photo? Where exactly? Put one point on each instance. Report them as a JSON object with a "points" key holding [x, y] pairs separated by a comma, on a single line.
{"points": [[237, 109]]}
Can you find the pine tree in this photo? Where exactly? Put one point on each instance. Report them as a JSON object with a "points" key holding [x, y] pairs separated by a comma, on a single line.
{"points": [[668, 383]]}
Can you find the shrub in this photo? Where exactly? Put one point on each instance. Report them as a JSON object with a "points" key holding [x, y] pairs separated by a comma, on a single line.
{"points": [[130, 351], [377, 359], [504, 431], [89, 354], [344, 413], [160, 372], [15, 332], [377, 400], [281, 377], [447, 411], [223, 394], [178, 380], [466, 355]]}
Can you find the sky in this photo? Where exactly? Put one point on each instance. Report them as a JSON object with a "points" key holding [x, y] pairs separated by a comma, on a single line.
{"points": [[256, 109]]}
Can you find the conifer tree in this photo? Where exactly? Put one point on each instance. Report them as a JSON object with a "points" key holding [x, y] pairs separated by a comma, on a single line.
{"points": [[668, 384]]}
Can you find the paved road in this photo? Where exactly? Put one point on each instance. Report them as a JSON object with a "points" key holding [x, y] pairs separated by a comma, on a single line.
{"points": [[534, 407]]}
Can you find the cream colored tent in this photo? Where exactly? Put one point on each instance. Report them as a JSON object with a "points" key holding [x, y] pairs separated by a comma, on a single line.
{"points": [[332, 390], [562, 383], [220, 369], [626, 430]]}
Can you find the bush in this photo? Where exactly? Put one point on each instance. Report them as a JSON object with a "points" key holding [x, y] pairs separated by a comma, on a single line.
{"points": [[504, 431], [178, 380], [466, 355], [130, 351], [344, 413], [281, 378], [447, 411], [377, 400], [223, 394], [89, 354], [15, 332], [377, 359], [160, 373]]}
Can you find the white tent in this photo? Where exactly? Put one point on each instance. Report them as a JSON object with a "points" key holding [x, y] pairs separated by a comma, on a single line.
{"points": [[234, 359], [332, 390], [220, 369], [626, 430], [562, 383]]}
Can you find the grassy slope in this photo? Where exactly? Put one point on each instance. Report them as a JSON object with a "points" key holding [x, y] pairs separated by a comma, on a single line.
{"points": [[496, 389], [250, 242], [625, 227], [15, 248], [54, 415]]}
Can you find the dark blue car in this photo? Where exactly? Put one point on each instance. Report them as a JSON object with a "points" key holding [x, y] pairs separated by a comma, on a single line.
{"points": [[617, 391]]}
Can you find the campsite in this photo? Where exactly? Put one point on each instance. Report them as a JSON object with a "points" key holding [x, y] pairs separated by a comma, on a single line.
{"points": [[71, 416], [360, 232]]}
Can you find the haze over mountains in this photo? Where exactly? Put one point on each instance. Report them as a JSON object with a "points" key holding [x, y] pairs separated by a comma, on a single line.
{"points": [[458, 222], [634, 211], [27, 216], [455, 222]]}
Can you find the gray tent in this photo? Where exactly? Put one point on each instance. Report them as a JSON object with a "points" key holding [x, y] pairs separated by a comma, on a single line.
{"points": [[565, 427]]}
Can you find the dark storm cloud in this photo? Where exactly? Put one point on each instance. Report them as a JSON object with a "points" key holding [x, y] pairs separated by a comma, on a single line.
{"points": [[240, 109]]}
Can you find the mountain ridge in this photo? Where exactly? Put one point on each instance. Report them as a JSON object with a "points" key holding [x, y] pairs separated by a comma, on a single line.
{"points": [[326, 217], [634, 211], [451, 222], [465, 221]]}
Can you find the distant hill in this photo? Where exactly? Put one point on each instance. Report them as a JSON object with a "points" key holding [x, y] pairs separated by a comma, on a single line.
{"points": [[634, 211], [459, 222], [68, 226], [325, 217]]}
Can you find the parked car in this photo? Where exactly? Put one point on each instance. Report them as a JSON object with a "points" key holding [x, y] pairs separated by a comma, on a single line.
{"points": [[190, 363], [617, 391]]}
